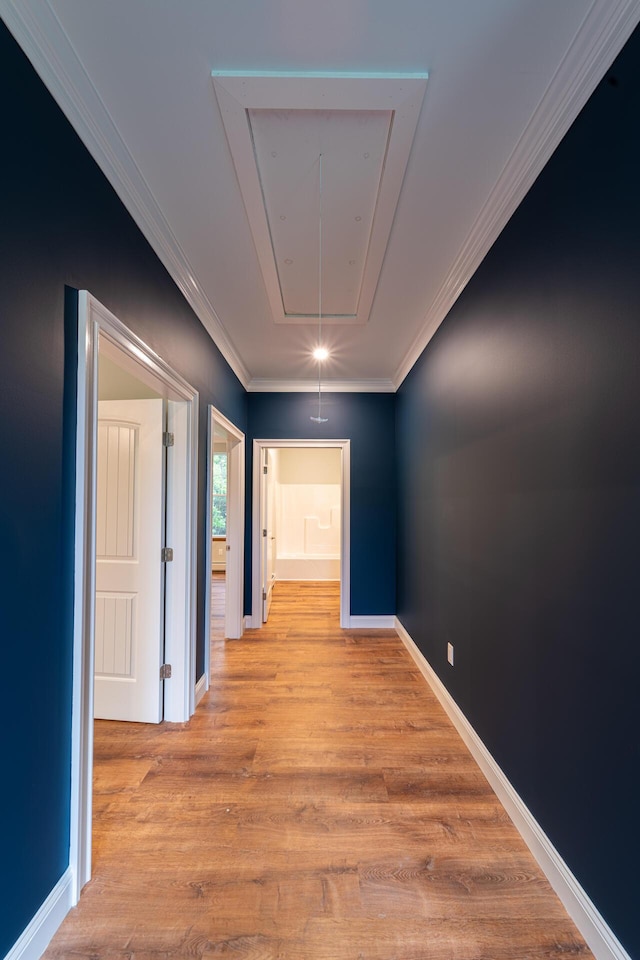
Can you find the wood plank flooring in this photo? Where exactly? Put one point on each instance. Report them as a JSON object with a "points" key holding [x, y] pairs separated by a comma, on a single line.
{"points": [[319, 806]]}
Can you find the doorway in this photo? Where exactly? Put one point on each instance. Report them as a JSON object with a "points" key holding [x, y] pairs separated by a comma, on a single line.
{"points": [[263, 567], [224, 529], [102, 334]]}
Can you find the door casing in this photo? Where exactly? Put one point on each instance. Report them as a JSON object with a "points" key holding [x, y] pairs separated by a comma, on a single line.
{"points": [[97, 327], [234, 587], [345, 526], [267, 578]]}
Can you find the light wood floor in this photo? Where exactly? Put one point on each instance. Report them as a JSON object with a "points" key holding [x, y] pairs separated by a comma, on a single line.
{"points": [[319, 806]]}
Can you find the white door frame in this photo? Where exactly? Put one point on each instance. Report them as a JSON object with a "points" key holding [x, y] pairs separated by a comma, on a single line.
{"points": [[96, 324], [345, 523], [267, 524], [234, 585]]}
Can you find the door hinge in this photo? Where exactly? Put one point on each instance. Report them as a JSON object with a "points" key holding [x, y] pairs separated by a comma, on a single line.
{"points": [[265, 469], [264, 533], [264, 594], [168, 439], [165, 671], [166, 554]]}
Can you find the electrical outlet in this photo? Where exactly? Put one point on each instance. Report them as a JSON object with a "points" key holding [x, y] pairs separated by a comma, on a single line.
{"points": [[450, 653]]}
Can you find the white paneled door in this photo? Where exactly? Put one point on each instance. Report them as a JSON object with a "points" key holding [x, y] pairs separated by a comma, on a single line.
{"points": [[129, 568]]}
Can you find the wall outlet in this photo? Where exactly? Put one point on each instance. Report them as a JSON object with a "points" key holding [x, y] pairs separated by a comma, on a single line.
{"points": [[450, 653]]}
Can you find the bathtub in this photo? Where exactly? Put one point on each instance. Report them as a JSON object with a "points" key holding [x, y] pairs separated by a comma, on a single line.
{"points": [[307, 567]]}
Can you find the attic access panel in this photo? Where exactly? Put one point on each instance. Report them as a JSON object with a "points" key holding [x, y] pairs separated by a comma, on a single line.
{"points": [[287, 145], [277, 126]]}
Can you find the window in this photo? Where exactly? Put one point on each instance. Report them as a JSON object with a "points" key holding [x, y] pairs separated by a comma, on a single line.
{"points": [[219, 497]]}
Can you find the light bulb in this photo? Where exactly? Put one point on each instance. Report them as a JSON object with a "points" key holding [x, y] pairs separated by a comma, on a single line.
{"points": [[320, 353]]}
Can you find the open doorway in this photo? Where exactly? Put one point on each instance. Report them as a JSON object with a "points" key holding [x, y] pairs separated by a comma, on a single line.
{"points": [[219, 530], [224, 535], [100, 334], [301, 513]]}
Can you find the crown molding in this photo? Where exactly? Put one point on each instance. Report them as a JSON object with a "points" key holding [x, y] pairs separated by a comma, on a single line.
{"points": [[42, 37], [258, 385], [602, 35]]}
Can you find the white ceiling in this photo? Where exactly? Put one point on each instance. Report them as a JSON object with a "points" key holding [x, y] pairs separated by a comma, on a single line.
{"points": [[505, 80]]}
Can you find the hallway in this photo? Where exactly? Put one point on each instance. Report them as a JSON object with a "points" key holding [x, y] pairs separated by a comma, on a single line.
{"points": [[318, 806]]}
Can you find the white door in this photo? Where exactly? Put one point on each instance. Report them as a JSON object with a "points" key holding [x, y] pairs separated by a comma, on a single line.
{"points": [[268, 533], [129, 569]]}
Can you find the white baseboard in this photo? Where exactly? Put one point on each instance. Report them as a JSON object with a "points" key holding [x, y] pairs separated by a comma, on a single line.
{"points": [[600, 938], [201, 688], [387, 622], [372, 623], [35, 938], [308, 579]]}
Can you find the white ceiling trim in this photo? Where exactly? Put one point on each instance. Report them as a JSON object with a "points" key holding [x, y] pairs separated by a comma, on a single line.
{"points": [[602, 35], [44, 40], [258, 385], [239, 93], [605, 28]]}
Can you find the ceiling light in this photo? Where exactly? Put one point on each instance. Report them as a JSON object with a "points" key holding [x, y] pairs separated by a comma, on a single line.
{"points": [[320, 353]]}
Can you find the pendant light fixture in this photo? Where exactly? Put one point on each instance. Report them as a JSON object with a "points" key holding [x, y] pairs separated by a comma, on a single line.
{"points": [[320, 353]]}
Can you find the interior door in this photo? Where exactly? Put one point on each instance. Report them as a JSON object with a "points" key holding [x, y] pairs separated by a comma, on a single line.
{"points": [[129, 568], [268, 532]]}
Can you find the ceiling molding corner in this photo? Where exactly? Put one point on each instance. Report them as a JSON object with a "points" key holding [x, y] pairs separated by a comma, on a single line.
{"points": [[46, 44], [602, 35], [258, 385]]}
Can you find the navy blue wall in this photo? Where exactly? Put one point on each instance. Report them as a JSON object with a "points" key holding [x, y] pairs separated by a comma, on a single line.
{"points": [[61, 225], [368, 421], [518, 438]]}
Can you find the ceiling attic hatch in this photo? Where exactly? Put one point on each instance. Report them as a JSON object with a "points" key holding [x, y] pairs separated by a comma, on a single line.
{"points": [[286, 147], [277, 126]]}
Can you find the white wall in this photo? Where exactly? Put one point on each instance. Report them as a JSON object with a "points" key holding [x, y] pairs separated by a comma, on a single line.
{"points": [[307, 526], [115, 383]]}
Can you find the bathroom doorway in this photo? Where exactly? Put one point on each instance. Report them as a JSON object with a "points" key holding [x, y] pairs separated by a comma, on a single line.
{"points": [[300, 518]]}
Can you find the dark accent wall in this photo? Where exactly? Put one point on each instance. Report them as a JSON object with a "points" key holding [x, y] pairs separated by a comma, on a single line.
{"points": [[518, 438], [62, 226], [368, 421]]}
